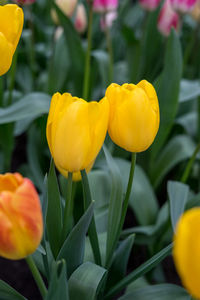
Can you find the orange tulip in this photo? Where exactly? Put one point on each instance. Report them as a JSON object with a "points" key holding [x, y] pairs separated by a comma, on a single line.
{"points": [[21, 225]]}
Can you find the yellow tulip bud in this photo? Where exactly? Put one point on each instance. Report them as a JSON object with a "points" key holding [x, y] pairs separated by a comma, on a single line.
{"points": [[134, 115], [186, 251], [11, 23], [76, 131], [21, 225]]}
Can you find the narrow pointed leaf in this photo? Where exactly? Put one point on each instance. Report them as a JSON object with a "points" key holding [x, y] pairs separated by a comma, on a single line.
{"points": [[74, 246], [58, 287], [178, 195], [54, 212], [8, 293], [85, 282]]}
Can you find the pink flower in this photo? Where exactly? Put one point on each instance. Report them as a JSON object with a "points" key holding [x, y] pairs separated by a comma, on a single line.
{"points": [[183, 6], [105, 5], [80, 18], [167, 19], [108, 19], [24, 2], [149, 4]]}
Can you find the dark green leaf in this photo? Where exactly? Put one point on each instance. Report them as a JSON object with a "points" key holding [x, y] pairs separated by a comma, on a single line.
{"points": [[30, 106], [85, 282], [142, 201], [178, 195], [8, 293], [73, 248], [115, 206], [158, 292], [54, 212], [58, 288], [178, 149], [168, 91]]}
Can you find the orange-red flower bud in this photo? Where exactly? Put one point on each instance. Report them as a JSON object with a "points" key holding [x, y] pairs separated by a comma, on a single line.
{"points": [[21, 225]]}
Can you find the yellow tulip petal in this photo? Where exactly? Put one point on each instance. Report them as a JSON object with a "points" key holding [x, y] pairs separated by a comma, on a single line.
{"points": [[186, 251]]}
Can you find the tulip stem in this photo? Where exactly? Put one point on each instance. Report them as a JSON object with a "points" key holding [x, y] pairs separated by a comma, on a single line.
{"points": [[88, 54], [92, 232], [36, 275], [68, 208], [110, 52], [190, 164]]}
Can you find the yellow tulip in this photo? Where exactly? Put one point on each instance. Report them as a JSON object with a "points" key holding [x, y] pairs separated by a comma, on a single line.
{"points": [[76, 131], [21, 225], [134, 115], [11, 24], [186, 251]]}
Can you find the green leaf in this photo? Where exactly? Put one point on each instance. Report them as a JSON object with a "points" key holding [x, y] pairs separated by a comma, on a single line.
{"points": [[115, 205], [58, 288], [102, 60], [179, 148], [76, 52], [73, 248], [85, 282], [8, 293], [158, 292], [149, 62], [189, 90], [178, 195], [168, 91], [59, 65], [189, 122], [142, 201], [31, 106], [120, 261], [140, 271], [54, 211], [34, 156], [100, 186]]}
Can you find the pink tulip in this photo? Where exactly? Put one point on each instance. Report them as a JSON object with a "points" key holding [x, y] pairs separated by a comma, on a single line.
{"points": [[149, 4], [183, 6], [108, 19], [80, 18], [168, 18], [105, 5]]}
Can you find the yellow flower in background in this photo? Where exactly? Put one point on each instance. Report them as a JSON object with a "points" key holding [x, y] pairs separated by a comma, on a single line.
{"points": [[76, 130], [186, 251], [21, 225], [134, 115], [11, 24]]}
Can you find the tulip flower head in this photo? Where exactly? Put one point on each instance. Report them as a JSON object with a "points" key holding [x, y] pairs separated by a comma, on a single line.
{"points": [[134, 115], [11, 23], [103, 6], [167, 19], [21, 224], [76, 130], [186, 251], [183, 6], [66, 6], [149, 4], [80, 18], [108, 19], [195, 12]]}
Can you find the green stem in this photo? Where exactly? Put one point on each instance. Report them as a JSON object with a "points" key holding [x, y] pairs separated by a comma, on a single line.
{"points": [[110, 52], [92, 232], [190, 164], [190, 46], [141, 270], [124, 208], [88, 54], [36, 275], [68, 208]]}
